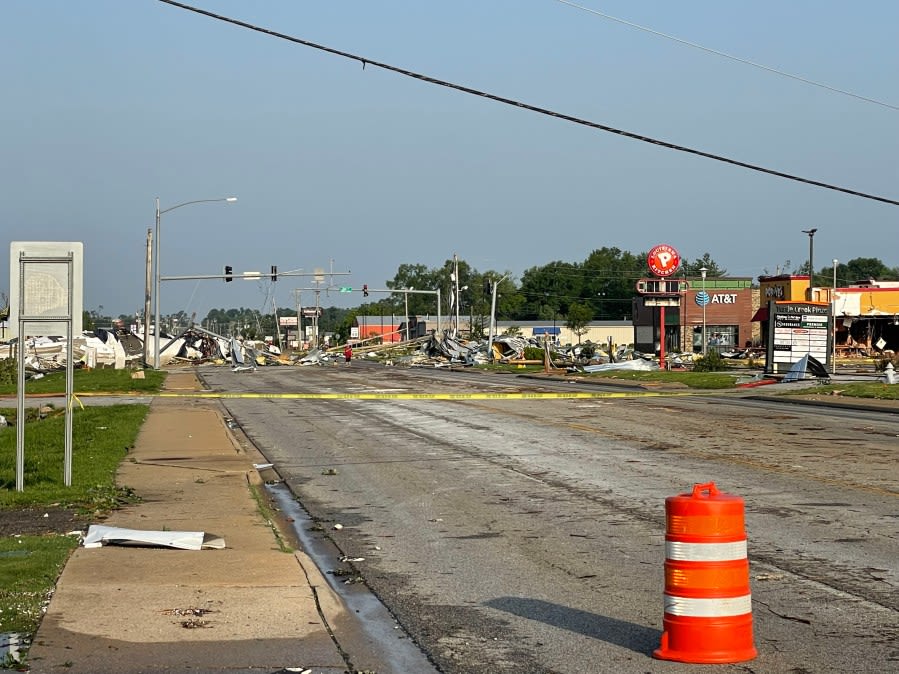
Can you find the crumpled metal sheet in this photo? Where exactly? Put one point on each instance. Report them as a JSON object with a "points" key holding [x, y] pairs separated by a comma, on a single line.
{"points": [[99, 535]]}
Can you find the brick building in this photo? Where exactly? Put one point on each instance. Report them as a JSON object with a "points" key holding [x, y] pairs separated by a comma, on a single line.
{"points": [[727, 316]]}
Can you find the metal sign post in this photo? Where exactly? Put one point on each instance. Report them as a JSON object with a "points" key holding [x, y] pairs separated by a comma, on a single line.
{"points": [[46, 284]]}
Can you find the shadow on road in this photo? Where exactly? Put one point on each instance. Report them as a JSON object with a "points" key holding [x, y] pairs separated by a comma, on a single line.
{"points": [[619, 632]]}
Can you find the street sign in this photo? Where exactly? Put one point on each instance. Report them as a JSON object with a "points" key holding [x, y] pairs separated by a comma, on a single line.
{"points": [[346, 289]]}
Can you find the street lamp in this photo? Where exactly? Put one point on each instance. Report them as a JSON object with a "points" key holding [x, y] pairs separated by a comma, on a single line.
{"points": [[811, 259], [492, 333], [703, 271], [833, 311], [156, 333]]}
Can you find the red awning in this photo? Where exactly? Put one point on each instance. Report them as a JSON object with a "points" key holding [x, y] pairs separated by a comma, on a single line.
{"points": [[760, 315]]}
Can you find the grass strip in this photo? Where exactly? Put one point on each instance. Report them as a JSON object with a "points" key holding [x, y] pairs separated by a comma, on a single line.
{"points": [[30, 565]]}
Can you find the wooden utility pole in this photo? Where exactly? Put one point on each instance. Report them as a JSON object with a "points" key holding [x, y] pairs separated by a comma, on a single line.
{"points": [[149, 284]]}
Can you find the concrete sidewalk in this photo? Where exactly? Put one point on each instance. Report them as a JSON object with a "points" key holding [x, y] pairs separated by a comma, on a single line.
{"points": [[128, 609]]}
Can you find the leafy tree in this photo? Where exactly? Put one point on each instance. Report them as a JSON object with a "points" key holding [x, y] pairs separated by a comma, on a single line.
{"points": [[610, 277], [419, 277], [548, 291], [579, 315], [863, 268], [692, 268]]}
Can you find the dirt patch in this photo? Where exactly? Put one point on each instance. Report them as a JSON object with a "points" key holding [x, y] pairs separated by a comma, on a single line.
{"points": [[39, 521]]}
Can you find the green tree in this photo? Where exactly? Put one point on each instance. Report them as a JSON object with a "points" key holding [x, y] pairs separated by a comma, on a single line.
{"points": [[548, 291], [610, 278], [863, 268], [692, 268], [579, 316]]}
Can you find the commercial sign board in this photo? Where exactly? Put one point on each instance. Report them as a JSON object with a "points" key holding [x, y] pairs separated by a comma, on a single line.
{"points": [[796, 329], [663, 260]]}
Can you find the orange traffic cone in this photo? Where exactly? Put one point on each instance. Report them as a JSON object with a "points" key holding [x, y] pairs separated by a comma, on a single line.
{"points": [[708, 605]]}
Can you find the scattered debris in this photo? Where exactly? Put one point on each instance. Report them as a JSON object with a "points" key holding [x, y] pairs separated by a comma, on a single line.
{"points": [[192, 611], [329, 471]]}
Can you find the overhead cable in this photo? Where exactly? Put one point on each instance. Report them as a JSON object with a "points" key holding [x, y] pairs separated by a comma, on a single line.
{"points": [[716, 52], [533, 108]]}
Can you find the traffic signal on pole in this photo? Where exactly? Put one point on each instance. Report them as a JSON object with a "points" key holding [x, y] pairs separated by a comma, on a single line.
{"points": [[365, 290], [274, 272], [228, 272], [487, 286]]}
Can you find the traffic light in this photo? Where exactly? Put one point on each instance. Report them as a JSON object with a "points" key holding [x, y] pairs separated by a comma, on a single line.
{"points": [[228, 272], [487, 290], [365, 290], [274, 272]]}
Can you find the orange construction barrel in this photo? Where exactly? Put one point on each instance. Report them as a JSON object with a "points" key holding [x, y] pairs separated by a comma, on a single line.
{"points": [[708, 605]]}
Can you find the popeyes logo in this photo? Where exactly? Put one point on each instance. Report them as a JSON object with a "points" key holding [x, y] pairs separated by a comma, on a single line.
{"points": [[663, 260]]}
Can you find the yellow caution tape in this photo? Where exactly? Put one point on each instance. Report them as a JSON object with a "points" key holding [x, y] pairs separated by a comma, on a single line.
{"points": [[416, 396]]}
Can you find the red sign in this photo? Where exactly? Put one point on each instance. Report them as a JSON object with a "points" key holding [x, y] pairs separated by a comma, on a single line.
{"points": [[663, 260]]}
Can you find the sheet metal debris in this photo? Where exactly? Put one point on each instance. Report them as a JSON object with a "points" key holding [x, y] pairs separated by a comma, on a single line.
{"points": [[99, 535]]}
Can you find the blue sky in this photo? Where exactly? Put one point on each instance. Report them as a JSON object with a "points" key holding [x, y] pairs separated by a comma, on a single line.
{"points": [[109, 104]]}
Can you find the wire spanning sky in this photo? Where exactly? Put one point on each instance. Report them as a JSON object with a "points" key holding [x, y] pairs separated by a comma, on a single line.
{"points": [[359, 170]]}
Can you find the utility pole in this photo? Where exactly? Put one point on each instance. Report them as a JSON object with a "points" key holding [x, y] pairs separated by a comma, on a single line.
{"points": [[147, 296], [406, 296], [456, 292], [297, 293]]}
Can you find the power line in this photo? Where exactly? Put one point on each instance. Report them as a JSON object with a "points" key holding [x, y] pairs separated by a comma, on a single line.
{"points": [[533, 108], [716, 52]]}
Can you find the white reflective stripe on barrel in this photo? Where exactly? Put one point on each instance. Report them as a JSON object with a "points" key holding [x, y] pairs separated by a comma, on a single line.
{"points": [[708, 608], [705, 552]]}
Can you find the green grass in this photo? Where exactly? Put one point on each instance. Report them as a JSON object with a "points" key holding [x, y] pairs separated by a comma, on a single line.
{"points": [[101, 437], [29, 567], [876, 390], [88, 381], [698, 380]]}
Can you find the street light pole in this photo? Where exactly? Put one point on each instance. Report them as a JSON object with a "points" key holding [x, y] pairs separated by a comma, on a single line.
{"points": [[493, 318], [811, 259], [703, 271], [159, 213], [833, 311]]}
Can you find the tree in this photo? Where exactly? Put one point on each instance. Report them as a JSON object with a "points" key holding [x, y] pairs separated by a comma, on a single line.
{"points": [[692, 268], [579, 315], [547, 291], [419, 277], [610, 279], [864, 268]]}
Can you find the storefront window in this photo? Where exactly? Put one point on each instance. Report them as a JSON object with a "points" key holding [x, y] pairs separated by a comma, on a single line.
{"points": [[719, 337]]}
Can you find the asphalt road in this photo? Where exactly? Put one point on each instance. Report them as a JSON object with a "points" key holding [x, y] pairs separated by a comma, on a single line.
{"points": [[528, 535]]}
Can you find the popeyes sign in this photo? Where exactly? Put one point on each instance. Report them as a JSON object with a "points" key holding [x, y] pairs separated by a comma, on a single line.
{"points": [[663, 260]]}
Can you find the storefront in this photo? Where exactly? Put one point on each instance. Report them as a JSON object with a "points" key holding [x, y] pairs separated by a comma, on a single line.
{"points": [[866, 313], [719, 308]]}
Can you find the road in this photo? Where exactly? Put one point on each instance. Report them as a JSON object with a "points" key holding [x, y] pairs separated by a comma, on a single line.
{"points": [[528, 535]]}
